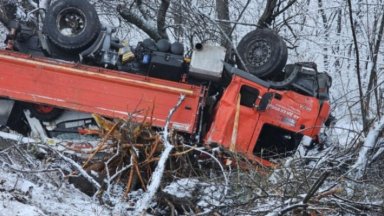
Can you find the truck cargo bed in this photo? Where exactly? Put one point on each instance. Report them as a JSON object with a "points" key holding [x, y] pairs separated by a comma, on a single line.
{"points": [[96, 90]]}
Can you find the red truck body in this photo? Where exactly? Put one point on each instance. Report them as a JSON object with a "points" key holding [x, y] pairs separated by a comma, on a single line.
{"points": [[95, 90], [236, 123]]}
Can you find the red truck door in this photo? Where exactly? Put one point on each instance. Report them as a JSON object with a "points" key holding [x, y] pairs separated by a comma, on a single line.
{"points": [[236, 117]]}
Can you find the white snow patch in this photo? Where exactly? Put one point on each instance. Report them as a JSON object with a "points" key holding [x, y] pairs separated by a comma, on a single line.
{"points": [[22, 197], [211, 196], [182, 188], [13, 207]]}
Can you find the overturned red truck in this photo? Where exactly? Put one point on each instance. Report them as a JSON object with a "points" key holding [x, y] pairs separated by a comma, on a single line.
{"points": [[249, 104]]}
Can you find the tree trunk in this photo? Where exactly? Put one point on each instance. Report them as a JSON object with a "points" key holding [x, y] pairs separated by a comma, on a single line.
{"points": [[161, 17], [358, 72], [373, 74], [178, 20], [326, 34], [267, 17], [222, 11]]}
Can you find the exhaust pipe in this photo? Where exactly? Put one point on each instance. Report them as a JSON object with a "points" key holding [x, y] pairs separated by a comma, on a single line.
{"points": [[199, 46]]}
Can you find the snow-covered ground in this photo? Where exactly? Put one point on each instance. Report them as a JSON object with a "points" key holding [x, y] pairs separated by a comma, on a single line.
{"points": [[22, 197], [29, 187]]}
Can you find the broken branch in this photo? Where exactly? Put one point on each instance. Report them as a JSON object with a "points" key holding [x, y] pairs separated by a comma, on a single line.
{"points": [[143, 203]]}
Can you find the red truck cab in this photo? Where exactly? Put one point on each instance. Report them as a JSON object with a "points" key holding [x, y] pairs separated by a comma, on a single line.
{"points": [[261, 122]]}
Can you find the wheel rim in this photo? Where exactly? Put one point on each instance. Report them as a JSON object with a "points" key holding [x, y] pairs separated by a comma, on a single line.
{"points": [[44, 109], [71, 22], [259, 53]]}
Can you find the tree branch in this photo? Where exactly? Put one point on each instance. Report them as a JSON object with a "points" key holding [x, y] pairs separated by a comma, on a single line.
{"points": [[134, 17], [267, 16], [240, 16], [161, 16], [290, 3], [373, 74], [144, 202], [222, 11]]}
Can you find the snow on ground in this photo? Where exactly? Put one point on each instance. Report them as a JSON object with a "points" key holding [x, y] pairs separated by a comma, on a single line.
{"points": [[182, 188], [20, 196], [209, 194], [33, 187]]}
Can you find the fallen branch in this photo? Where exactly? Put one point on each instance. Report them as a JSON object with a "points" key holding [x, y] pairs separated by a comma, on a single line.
{"points": [[143, 204], [377, 155], [316, 186], [77, 166], [291, 207], [20, 139], [108, 190], [360, 165], [101, 145], [33, 171], [362, 206], [303, 204], [328, 193], [121, 171]]}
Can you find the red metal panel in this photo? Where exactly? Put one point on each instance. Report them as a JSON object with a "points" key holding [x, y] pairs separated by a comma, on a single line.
{"points": [[95, 90]]}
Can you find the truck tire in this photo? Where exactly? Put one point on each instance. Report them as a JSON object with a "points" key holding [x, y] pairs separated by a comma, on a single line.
{"points": [[263, 52], [71, 24], [44, 112]]}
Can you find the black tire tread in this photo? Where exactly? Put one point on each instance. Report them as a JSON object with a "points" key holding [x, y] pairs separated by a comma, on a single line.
{"points": [[279, 53], [80, 41]]}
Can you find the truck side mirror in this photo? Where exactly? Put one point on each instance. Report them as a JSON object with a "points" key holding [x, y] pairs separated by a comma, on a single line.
{"points": [[265, 100]]}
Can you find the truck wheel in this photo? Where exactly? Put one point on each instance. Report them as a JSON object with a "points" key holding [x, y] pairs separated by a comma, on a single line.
{"points": [[263, 52], [71, 24], [44, 112]]}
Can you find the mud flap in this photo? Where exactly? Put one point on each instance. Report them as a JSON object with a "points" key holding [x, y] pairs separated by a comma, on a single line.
{"points": [[6, 107]]}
